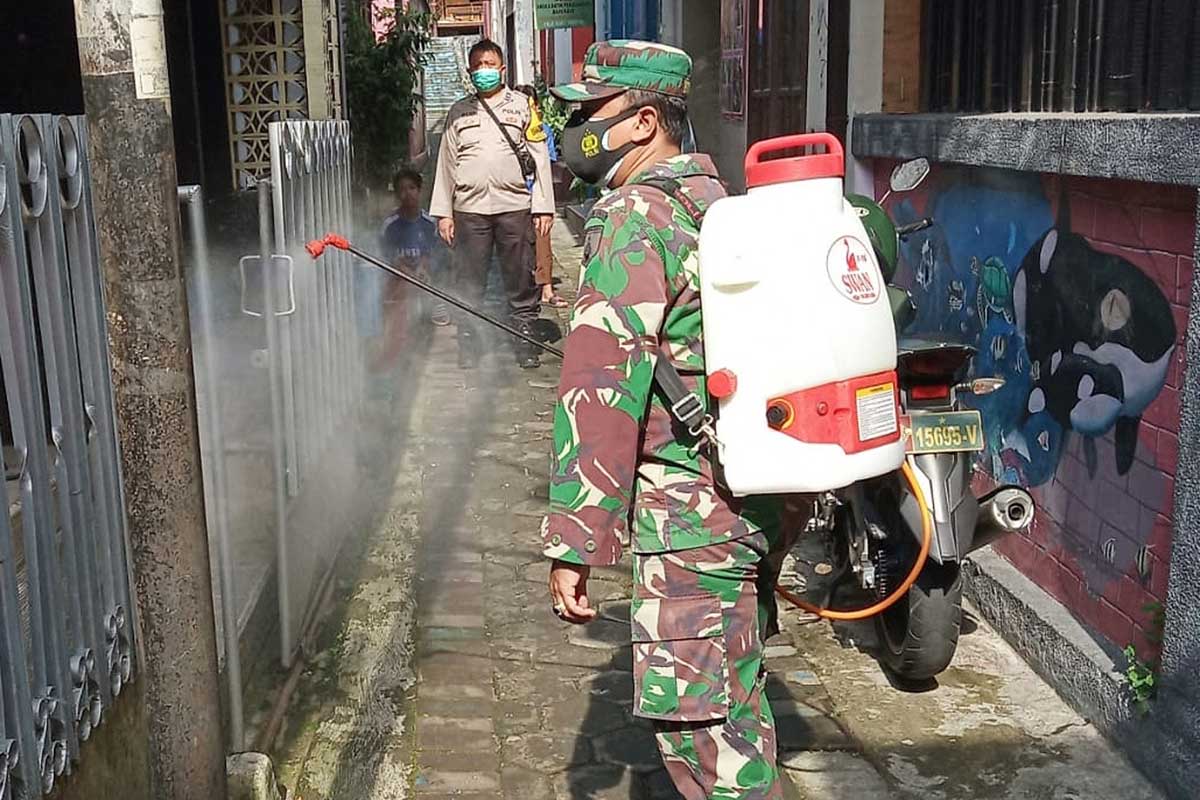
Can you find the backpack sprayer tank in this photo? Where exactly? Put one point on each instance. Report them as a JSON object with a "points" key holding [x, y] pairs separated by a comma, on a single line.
{"points": [[798, 333]]}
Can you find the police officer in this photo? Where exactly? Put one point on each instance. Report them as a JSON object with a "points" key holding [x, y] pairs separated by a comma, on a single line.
{"points": [[493, 172], [704, 562]]}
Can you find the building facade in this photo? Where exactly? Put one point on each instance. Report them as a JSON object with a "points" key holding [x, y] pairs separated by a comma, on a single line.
{"points": [[1064, 196]]}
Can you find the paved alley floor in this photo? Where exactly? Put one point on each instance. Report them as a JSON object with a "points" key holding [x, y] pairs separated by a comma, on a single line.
{"points": [[442, 672]]}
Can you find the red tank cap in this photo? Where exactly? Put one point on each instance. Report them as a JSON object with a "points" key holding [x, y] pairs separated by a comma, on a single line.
{"points": [[830, 164], [722, 383]]}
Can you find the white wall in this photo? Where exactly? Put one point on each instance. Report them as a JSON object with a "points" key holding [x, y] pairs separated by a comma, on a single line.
{"points": [[818, 64], [865, 93], [500, 10], [563, 55], [527, 54], [670, 28]]}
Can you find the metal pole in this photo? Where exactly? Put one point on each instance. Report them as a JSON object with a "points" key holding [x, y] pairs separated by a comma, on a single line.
{"points": [[193, 199], [137, 216], [265, 216], [286, 338]]}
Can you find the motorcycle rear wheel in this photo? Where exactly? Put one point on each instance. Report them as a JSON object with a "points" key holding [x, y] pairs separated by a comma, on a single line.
{"points": [[918, 635]]}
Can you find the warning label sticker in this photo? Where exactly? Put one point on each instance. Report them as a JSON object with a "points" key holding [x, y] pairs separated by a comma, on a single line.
{"points": [[853, 271], [876, 406]]}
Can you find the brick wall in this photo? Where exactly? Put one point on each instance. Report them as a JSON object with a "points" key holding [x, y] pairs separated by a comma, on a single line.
{"points": [[1101, 542]]}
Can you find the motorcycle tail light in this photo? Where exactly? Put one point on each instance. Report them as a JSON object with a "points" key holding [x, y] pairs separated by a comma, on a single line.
{"points": [[934, 392]]}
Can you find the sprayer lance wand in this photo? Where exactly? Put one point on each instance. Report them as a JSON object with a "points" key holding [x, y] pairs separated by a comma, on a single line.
{"points": [[685, 405], [317, 247]]}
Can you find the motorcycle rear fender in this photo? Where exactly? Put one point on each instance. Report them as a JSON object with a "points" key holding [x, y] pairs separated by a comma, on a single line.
{"points": [[945, 479]]}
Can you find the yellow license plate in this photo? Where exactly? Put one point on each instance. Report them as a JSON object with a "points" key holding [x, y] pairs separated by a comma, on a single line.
{"points": [[951, 432]]}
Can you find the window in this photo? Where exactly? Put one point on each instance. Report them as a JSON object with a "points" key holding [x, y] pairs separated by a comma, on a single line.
{"points": [[633, 19], [1061, 55], [778, 69]]}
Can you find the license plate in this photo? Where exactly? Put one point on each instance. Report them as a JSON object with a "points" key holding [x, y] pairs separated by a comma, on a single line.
{"points": [[951, 432]]}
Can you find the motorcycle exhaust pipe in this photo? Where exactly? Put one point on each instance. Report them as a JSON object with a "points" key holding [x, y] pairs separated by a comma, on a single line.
{"points": [[1007, 510]]}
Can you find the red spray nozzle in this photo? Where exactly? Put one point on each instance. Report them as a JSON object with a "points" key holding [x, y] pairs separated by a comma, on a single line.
{"points": [[316, 248]]}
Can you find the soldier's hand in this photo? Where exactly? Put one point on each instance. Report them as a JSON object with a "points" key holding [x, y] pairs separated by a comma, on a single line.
{"points": [[446, 230], [542, 223], [568, 592]]}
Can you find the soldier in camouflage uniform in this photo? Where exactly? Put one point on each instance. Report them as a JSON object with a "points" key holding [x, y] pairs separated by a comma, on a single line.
{"points": [[624, 470]]}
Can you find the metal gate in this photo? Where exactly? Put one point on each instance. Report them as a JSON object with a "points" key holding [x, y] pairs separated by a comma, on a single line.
{"points": [[319, 363], [66, 646], [279, 381]]}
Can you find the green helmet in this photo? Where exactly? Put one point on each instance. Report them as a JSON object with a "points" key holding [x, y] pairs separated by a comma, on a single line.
{"points": [[881, 231]]}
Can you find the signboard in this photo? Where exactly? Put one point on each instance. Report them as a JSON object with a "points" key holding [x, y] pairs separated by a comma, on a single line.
{"points": [[733, 58], [564, 14]]}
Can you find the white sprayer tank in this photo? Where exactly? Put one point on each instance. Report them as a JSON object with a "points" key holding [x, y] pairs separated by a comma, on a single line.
{"points": [[799, 340]]}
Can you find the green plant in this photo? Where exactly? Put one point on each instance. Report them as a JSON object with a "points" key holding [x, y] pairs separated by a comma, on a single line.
{"points": [[555, 112], [382, 78], [1142, 678]]}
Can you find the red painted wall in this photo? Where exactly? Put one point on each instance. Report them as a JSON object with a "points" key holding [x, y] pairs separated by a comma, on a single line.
{"points": [[1153, 227], [1101, 542], [581, 38]]}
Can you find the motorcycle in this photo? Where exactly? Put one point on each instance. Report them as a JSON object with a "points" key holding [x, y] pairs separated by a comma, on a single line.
{"points": [[875, 528]]}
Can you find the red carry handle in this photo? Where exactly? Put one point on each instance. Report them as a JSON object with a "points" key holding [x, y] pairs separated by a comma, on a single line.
{"points": [[830, 164]]}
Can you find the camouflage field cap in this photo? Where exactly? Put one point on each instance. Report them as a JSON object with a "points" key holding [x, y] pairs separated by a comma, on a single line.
{"points": [[618, 65]]}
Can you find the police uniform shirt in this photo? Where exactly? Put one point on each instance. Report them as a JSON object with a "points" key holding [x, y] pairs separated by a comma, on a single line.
{"points": [[477, 172]]}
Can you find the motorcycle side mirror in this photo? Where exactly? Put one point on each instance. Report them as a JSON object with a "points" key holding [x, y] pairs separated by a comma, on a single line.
{"points": [[909, 175], [983, 386]]}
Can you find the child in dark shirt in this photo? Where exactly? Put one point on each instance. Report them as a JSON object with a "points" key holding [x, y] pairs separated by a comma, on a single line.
{"points": [[409, 241]]}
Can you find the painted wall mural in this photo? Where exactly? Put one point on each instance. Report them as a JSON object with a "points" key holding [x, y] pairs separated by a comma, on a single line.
{"points": [[1075, 292]]}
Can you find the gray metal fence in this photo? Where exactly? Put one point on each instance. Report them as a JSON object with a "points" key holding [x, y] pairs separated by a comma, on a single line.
{"points": [[279, 382], [66, 644], [320, 365]]}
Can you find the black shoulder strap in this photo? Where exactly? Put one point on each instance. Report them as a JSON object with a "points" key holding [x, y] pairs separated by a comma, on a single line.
{"points": [[674, 189], [523, 158], [686, 405]]}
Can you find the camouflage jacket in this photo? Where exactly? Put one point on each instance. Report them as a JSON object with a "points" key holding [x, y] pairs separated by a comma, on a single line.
{"points": [[619, 460]]}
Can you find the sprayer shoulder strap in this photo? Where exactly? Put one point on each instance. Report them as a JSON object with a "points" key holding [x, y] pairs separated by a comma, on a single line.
{"points": [[686, 406]]}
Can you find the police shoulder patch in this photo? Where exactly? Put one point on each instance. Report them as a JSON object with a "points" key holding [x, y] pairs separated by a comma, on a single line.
{"points": [[534, 133]]}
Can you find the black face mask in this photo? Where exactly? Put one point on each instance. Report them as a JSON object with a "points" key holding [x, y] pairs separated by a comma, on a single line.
{"points": [[583, 146]]}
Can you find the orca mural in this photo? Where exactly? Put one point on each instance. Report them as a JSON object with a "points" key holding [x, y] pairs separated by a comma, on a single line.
{"points": [[1083, 338], [1100, 336]]}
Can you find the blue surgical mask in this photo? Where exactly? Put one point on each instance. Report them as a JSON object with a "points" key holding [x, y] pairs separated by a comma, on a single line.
{"points": [[485, 79]]}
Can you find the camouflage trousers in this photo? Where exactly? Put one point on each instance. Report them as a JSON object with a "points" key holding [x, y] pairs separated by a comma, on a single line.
{"points": [[700, 618]]}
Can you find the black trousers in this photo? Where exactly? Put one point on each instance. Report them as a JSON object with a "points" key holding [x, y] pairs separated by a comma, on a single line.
{"points": [[511, 234]]}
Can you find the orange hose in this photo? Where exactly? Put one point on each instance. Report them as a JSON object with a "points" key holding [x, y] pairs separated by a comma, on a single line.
{"points": [[884, 604]]}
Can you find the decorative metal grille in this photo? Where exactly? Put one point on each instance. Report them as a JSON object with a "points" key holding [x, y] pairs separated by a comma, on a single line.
{"points": [[333, 64], [66, 647], [268, 78], [264, 77]]}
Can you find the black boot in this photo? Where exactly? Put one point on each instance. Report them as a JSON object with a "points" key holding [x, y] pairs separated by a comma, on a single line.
{"points": [[527, 354]]}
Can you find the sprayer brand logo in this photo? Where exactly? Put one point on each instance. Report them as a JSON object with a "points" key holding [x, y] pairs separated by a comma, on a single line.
{"points": [[852, 270]]}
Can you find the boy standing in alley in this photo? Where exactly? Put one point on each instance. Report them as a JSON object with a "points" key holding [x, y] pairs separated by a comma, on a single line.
{"points": [[409, 241]]}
